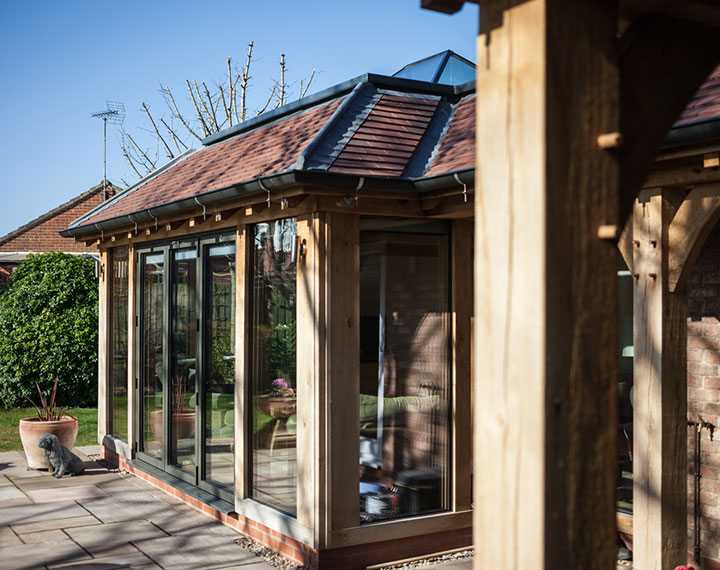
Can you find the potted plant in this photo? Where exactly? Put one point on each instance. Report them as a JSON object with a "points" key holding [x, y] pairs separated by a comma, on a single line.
{"points": [[50, 419], [183, 414], [281, 402]]}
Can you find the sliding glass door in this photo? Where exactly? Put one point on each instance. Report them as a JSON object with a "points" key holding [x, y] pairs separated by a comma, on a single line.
{"points": [[186, 360]]}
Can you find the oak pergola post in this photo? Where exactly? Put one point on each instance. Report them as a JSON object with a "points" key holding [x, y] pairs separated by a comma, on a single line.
{"points": [[660, 402], [545, 287]]}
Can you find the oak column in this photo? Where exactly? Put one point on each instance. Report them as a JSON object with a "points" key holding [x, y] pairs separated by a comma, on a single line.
{"points": [[545, 286], [660, 391]]}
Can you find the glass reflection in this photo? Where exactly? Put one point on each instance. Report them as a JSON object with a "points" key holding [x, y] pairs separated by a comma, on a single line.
{"points": [[152, 352], [404, 371], [220, 365], [183, 359], [118, 342], [274, 420]]}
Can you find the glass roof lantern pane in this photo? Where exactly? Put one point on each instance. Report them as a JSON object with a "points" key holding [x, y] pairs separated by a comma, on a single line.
{"points": [[445, 67], [423, 70], [457, 72]]}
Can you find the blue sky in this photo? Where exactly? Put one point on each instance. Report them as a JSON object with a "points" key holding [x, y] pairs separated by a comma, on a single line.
{"points": [[61, 61]]}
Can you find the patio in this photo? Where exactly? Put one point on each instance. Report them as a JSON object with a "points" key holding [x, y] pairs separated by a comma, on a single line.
{"points": [[108, 519], [104, 519]]}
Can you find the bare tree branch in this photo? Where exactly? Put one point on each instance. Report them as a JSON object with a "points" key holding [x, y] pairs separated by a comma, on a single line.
{"points": [[213, 107], [269, 100], [176, 139], [245, 79], [281, 98], [168, 152], [179, 115], [228, 109], [207, 116], [304, 91], [198, 112]]}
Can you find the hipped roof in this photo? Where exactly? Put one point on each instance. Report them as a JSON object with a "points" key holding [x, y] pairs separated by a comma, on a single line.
{"points": [[377, 132], [388, 131]]}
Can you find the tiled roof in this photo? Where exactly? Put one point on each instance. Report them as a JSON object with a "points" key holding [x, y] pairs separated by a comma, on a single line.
{"points": [[457, 148], [372, 126], [386, 140], [268, 149], [706, 103]]}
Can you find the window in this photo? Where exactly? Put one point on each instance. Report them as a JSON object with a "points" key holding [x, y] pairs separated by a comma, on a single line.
{"points": [[118, 342], [404, 369], [273, 363]]}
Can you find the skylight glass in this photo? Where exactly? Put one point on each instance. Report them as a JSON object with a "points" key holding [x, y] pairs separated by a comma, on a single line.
{"points": [[423, 70], [456, 72], [446, 67]]}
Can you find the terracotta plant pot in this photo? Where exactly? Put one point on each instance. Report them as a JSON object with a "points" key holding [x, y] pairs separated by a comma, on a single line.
{"points": [[32, 429], [183, 424], [278, 408]]}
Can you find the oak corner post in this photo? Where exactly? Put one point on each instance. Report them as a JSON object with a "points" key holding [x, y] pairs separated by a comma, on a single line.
{"points": [[545, 288]]}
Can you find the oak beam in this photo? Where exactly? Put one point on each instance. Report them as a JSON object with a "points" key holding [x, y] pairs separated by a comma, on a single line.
{"points": [[545, 290], [663, 62], [660, 403], [689, 229]]}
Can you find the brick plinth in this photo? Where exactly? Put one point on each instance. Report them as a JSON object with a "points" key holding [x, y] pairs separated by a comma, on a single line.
{"points": [[348, 558]]}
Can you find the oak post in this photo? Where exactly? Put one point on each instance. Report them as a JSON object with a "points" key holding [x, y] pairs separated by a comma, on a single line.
{"points": [[132, 350], [660, 388], [545, 288]]}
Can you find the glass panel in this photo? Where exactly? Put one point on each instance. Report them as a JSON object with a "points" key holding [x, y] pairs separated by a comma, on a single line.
{"points": [[118, 342], [457, 72], [625, 390], [404, 373], [220, 364], [423, 70], [274, 420], [151, 314], [183, 359]]}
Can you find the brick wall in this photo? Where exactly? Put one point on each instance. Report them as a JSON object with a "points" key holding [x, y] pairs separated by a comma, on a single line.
{"points": [[703, 353]]}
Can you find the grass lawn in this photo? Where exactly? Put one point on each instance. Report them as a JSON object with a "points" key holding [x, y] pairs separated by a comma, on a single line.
{"points": [[9, 419]]}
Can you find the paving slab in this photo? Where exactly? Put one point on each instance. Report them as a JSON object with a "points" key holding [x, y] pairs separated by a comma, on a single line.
{"points": [[8, 493], [41, 512], [8, 537], [11, 457], [44, 536], [51, 524], [202, 552], [92, 478], [114, 533], [32, 557], [19, 471], [133, 560], [182, 524], [5, 482], [128, 506], [73, 493], [14, 503]]}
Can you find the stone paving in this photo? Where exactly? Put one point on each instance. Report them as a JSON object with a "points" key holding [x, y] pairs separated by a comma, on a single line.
{"points": [[104, 520]]}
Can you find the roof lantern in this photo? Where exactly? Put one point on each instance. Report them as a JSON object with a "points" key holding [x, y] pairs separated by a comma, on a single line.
{"points": [[445, 67]]}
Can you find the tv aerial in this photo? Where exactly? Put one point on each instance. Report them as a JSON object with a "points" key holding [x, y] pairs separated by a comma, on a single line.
{"points": [[115, 115]]}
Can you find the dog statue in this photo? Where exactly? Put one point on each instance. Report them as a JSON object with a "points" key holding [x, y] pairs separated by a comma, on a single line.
{"points": [[61, 458]]}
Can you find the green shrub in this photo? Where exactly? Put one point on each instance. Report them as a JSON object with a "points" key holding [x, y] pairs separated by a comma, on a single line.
{"points": [[48, 328]]}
